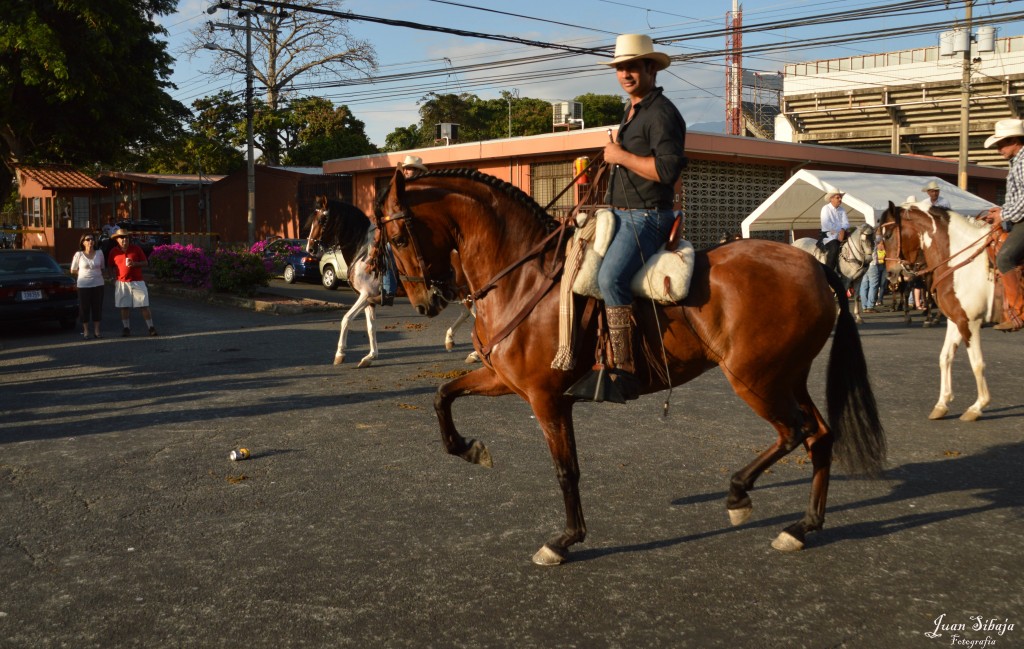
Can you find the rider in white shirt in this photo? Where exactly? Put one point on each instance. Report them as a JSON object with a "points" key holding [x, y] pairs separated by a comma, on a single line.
{"points": [[834, 225]]}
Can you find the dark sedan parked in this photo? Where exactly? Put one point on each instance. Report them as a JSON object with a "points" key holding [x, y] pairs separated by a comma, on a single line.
{"points": [[34, 287]]}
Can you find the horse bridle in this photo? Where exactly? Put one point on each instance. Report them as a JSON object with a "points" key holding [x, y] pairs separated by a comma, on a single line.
{"points": [[911, 268], [322, 213], [444, 290]]}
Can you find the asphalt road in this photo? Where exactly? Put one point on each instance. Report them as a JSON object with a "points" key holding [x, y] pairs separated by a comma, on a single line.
{"points": [[124, 524]]}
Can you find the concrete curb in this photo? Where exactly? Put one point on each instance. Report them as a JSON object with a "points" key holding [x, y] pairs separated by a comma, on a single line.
{"points": [[261, 303]]}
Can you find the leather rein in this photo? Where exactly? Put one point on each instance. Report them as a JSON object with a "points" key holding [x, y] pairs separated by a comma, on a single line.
{"points": [[551, 275]]}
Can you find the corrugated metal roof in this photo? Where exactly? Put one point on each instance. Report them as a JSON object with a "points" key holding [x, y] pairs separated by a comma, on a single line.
{"points": [[59, 177]]}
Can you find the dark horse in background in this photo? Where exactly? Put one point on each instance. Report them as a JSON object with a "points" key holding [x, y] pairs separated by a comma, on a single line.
{"points": [[759, 310]]}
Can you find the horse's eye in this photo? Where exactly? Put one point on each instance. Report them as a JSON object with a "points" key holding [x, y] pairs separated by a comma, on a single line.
{"points": [[400, 241]]}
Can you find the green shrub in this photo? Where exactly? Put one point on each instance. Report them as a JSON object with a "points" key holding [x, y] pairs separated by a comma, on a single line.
{"points": [[239, 272]]}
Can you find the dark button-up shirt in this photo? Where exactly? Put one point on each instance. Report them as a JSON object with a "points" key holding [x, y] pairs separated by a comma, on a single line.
{"points": [[656, 129]]}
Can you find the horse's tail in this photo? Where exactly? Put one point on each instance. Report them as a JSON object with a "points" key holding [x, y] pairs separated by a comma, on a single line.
{"points": [[852, 411]]}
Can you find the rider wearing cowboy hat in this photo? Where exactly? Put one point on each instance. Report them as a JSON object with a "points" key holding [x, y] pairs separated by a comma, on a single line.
{"points": [[647, 158], [933, 189], [1009, 140], [834, 224]]}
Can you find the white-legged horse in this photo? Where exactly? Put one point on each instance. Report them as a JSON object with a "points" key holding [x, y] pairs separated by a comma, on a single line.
{"points": [[344, 226], [954, 251]]}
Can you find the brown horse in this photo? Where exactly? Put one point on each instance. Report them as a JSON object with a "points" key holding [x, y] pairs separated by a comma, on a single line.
{"points": [[761, 311]]}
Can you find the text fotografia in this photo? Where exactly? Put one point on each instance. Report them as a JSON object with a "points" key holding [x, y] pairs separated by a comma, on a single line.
{"points": [[975, 623]]}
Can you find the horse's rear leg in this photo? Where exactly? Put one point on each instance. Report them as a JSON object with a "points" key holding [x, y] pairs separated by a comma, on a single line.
{"points": [[819, 447], [449, 336], [554, 414], [482, 382]]}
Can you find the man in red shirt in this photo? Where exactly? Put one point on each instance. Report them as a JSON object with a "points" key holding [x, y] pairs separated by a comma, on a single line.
{"points": [[129, 289]]}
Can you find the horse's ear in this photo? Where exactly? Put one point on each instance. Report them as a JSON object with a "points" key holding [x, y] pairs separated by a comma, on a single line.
{"points": [[321, 202], [396, 195]]}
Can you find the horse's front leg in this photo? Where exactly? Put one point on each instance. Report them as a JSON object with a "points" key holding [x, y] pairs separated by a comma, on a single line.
{"points": [[949, 346], [371, 333], [482, 382], [978, 367], [346, 323]]}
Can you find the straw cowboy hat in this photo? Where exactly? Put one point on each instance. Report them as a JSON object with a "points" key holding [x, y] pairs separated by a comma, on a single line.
{"points": [[119, 233], [932, 185], [911, 200], [832, 191], [1006, 128], [414, 162], [629, 47]]}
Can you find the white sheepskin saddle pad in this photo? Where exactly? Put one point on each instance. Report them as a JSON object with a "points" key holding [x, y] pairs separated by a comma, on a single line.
{"points": [[665, 278]]}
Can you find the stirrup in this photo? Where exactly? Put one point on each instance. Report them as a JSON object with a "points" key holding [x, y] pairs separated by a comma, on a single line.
{"points": [[597, 386]]}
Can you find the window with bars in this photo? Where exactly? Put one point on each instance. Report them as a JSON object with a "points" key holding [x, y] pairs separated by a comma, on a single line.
{"points": [[547, 179], [80, 211]]}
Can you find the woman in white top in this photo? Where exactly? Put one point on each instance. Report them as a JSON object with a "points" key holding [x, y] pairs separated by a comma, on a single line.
{"points": [[88, 267]]}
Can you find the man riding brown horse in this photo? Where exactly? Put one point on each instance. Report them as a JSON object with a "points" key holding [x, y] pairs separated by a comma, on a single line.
{"points": [[647, 158]]}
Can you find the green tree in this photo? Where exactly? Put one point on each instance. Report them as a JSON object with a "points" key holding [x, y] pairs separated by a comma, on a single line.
{"points": [[601, 110], [317, 131], [404, 138], [83, 82], [287, 47], [211, 142]]}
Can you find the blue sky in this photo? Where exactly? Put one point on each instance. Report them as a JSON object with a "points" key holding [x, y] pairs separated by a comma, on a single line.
{"points": [[697, 87]]}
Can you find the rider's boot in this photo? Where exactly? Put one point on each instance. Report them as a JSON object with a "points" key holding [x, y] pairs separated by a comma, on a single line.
{"points": [[620, 332], [1013, 301]]}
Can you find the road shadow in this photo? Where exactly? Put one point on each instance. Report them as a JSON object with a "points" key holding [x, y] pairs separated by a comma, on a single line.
{"points": [[974, 484]]}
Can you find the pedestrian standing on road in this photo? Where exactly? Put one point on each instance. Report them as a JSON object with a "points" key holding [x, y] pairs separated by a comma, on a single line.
{"points": [[130, 290], [869, 300], [89, 270]]}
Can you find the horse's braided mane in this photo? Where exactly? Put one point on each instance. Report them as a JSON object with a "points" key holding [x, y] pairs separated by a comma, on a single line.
{"points": [[510, 190]]}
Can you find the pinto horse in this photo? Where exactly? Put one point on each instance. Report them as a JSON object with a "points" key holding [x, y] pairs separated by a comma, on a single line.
{"points": [[953, 252], [343, 225], [761, 311]]}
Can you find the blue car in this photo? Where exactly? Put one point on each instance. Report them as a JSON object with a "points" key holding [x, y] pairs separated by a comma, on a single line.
{"points": [[288, 257]]}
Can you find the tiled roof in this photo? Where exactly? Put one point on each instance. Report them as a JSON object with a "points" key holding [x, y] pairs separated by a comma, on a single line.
{"points": [[59, 177]]}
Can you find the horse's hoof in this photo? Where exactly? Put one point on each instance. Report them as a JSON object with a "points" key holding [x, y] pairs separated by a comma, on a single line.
{"points": [[472, 358], [970, 415], [786, 542], [339, 359], [938, 412], [366, 362], [548, 557], [477, 453], [741, 515]]}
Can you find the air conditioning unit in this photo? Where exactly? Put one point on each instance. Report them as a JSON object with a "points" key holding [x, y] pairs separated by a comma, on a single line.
{"points": [[564, 111], [446, 131]]}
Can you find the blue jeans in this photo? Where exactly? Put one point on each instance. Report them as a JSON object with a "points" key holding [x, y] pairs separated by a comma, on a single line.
{"points": [[388, 282], [870, 285], [624, 259]]}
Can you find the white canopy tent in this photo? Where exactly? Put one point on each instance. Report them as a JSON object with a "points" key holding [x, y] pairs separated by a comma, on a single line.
{"points": [[797, 204]]}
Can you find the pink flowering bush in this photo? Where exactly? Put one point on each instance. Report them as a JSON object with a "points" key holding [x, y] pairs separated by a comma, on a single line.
{"points": [[231, 271], [190, 265]]}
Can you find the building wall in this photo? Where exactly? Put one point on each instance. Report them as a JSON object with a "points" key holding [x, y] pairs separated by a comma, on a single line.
{"points": [[726, 179]]}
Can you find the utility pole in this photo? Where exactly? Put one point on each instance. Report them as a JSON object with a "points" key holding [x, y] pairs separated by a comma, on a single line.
{"points": [[249, 136], [965, 102]]}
